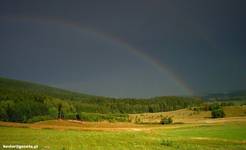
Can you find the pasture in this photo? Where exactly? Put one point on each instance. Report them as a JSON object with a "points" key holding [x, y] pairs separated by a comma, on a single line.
{"points": [[229, 134]]}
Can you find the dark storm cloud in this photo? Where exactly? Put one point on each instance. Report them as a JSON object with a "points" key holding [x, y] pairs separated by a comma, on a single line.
{"points": [[203, 42]]}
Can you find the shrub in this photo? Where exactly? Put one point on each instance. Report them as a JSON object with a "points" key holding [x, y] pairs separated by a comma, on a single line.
{"points": [[217, 113], [138, 120], [166, 120]]}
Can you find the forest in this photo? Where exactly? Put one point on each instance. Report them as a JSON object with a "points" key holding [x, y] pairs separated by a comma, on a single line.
{"points": [[22, 101]]}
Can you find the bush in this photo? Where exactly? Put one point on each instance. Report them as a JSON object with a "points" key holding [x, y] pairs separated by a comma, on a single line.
{"points": [[217, 113], [166, 120]]}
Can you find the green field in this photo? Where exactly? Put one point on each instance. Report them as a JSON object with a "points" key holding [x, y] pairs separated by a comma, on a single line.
{"points": [[184, 136]]}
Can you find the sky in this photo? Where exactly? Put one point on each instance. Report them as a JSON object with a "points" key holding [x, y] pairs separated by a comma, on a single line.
{"points": [[126, 48]]}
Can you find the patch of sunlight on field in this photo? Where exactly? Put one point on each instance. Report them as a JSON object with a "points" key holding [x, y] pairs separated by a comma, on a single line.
{"points": [[186, 115], [182, 115]]}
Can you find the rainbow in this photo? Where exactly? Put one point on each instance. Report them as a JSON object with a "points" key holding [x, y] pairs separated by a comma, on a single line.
{"points": [[71, 24]]}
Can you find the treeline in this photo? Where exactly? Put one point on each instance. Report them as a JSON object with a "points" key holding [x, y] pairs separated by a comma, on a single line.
{"points": [[156, 104], [28, 108], [27, 102]]}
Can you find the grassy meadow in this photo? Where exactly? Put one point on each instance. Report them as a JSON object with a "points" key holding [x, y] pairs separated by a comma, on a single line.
{"points": [[183, 136], [198, 132]]}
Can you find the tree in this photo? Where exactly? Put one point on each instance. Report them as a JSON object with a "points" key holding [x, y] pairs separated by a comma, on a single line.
{"points": [[166, 120], [217, 113], [78, 116], [150, 109], [60, 113]]}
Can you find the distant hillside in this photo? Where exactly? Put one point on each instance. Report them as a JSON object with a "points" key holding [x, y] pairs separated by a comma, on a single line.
{"points": [[23, 101], [227, 96], [10, 86]]}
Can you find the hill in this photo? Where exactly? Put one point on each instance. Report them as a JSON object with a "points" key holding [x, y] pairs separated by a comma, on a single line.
{"points": [[14, 87], [23, 101], [239, 95]]}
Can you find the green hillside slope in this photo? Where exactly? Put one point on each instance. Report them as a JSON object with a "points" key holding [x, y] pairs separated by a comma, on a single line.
{"points": [[13, 87]]}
